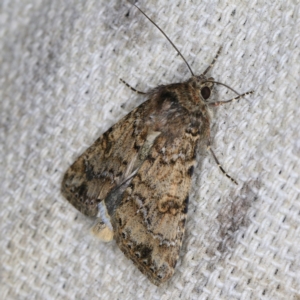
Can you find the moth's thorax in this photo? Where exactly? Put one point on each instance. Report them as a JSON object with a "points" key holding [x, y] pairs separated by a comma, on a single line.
{"points": [[194, 94]]}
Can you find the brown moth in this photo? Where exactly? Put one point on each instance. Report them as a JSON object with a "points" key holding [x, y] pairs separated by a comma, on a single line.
{"points": [[136, 177]]}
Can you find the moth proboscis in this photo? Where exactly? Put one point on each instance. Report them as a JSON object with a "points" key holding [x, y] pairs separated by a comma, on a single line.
{"points": [[136, 177]]}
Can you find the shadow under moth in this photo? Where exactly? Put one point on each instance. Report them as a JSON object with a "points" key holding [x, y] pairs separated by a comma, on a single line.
{"points": [[136, 177]]}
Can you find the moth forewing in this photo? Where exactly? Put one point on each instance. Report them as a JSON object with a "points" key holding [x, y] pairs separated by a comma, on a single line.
{"points": [[102, 166]]}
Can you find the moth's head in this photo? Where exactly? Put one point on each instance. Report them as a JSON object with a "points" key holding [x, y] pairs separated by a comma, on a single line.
{"points": [[203, 85]]}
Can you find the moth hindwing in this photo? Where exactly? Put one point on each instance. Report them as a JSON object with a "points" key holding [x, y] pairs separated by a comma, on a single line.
{"points": [[137, 175]]}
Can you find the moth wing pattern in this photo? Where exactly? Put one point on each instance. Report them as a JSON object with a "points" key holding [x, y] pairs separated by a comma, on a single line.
{"points": [[142, 168], [149, 222], [104, 165], [150, 219]]}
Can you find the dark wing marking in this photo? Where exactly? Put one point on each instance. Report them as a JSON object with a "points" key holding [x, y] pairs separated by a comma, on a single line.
{"points": [[121, 150], [149, 222], [105, 164]]}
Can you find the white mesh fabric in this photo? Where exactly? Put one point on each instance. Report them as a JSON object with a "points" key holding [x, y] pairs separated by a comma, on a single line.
{"points": [[60, 64]]}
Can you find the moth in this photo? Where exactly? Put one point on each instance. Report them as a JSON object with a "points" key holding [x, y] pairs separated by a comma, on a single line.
{"points": [[136, 177]]}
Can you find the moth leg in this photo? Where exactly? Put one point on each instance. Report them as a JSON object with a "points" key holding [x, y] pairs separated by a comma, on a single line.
{"points": [[219, 165], [218, 103], [133, 89], [213, 62]]}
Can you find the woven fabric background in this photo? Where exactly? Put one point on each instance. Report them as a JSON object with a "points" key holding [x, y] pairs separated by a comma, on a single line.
{"points": [[60, 64]]}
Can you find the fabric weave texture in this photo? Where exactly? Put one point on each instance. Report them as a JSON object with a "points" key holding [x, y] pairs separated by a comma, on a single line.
{"points": [[60, 64]]}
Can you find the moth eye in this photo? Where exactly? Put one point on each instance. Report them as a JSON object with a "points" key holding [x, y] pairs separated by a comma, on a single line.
{"points": [[205, 92]]}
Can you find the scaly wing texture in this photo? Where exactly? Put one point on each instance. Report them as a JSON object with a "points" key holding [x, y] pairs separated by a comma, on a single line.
{"points": [[122, 149], [105, 164], [150, 220], [142, 168]]}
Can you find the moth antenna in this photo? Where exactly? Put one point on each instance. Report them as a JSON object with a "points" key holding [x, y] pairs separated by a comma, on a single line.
{"points": [[165, 37]]}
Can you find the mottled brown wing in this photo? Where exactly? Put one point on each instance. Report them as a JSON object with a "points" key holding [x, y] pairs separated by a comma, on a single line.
{"points": [[150, 219], [108, 162]]}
